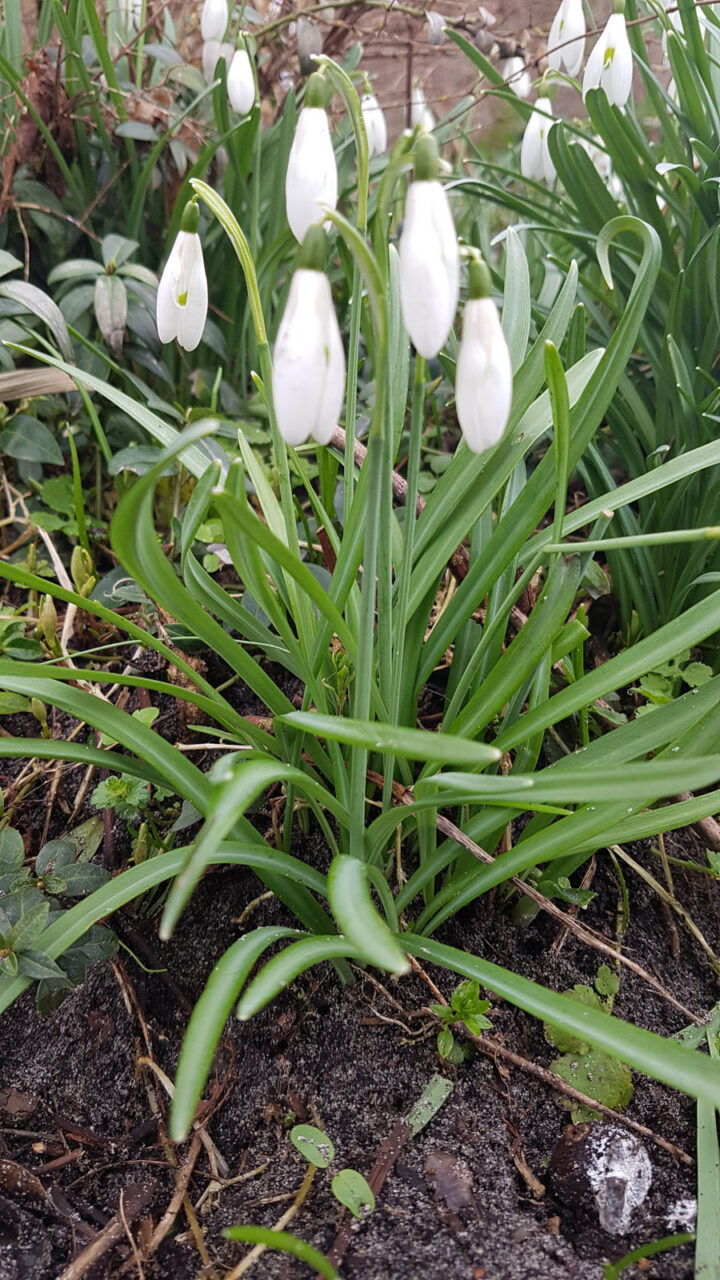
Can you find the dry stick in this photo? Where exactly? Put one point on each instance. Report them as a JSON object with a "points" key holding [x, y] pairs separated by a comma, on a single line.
{"points": [[677, 907], [251, 1258], [709, 827], [137, 1198], [182, 1180], [585, 934], [493, 1050]]}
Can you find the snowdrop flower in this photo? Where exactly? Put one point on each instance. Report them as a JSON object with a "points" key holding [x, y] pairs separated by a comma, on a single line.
{"points": [[214, 19], [429, 257], [182, 297], [535, 162], [568, 24], [308, 381], [241, 82], [436, 24], [610, 65], [375, 124], [212, 52], [516, 75], [311, 182], [420, 114], [483, 378]]}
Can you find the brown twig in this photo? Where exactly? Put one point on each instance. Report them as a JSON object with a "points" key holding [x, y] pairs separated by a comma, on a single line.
{"points": [[135, 1199]]}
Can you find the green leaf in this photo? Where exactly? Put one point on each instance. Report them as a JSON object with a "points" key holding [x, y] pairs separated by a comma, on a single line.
{"points": [[352, 1190], [445, 1042], [412, 744], [29, 440], [663, 1059], [110, 304], [357, 918], [208, 1019], [607, 981], [29, 926], [37, 965], [436, 1092], [37, 302], [599, 1076], [313, 1144], [284, 968], [117, 249], [287, 1243], [12, 850]]}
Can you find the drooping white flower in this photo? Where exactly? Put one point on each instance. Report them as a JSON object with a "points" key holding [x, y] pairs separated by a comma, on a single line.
{"points": [[214, 19], [212, 51], [429, 257], [535, 162], [483, 377], [375, 124], [308, 379], [568, 24], [610, 65], [182, 297], [420, 114], [436, 24], [516, 75], [241, 83], [311, 182]]}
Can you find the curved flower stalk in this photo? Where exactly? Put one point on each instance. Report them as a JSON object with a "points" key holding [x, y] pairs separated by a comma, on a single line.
{"points": [[212, 51], [375, 124], [311, 182], [241, 82], [567, 25], [421, 117], [308, 379], [535, 162], [214, 19], [610, 65], [182, 297], [429, 257], [516, 75], [484, 380]]}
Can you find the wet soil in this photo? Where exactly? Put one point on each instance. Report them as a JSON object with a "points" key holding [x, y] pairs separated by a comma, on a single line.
{"points": [[470, 1197]]}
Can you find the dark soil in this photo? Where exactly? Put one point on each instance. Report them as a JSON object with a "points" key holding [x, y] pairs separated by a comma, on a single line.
{"points": [[464, 1199]]}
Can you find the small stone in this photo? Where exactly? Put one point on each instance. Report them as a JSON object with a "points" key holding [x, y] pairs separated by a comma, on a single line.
{"points": [[604, 1169]]}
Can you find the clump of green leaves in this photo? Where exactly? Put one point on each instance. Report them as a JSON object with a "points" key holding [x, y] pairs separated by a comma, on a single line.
{"points": [[467, 1008], [29, 903], [126, 796], [666, 681], [591, 1071]]}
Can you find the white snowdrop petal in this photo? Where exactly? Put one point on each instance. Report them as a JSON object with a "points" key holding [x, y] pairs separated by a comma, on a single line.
{"points": [[311, 180], [309, 362], [555, 56], [182, 298], [483, 384], [375, 124], [575, 30], [241, 83], [429, 267], [214, 19]]}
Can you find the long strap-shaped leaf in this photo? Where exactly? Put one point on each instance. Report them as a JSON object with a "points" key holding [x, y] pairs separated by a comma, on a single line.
{"points": [[133, 883], [234, 786], [357, 918], [208, 1019], [665, 1060], [135, 543], [285, 967], [179, 773]]}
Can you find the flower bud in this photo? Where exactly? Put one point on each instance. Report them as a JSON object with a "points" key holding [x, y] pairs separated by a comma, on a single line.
{"points": [[182, 298], [214, 19], [241, 83], [212, 52], [568, 24], [421, 117], [516, 75], [535, 162], [483, 377], [610, 65], [429, 257], [308, 379], [436, 24], [311, 183], [375, 124]]}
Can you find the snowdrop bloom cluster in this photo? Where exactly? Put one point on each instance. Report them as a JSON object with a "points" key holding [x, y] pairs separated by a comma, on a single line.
{"points": [[429, 257], [311, 182], [421, 117], [610, 65], [483, 379], [241, 82], [309, 361], [182, 297], [535, 162], [375, 124], [568, 25]]}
